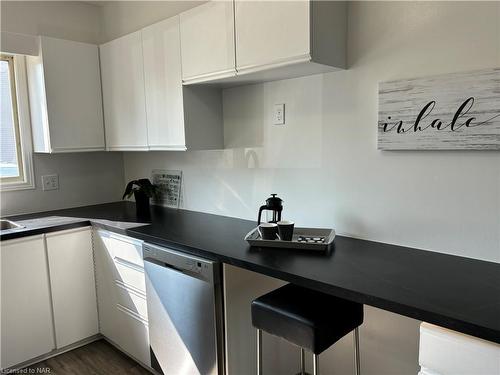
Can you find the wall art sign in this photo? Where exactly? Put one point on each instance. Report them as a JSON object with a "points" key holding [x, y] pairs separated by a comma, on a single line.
{"points": [[169, 187], [447, 112]]}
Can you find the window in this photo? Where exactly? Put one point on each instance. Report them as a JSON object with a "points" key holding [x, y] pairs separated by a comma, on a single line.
{"points": [[11, 167], [15, 140]]}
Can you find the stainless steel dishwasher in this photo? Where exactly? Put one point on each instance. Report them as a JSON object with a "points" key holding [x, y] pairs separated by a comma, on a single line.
{"points": [[185, 312]]}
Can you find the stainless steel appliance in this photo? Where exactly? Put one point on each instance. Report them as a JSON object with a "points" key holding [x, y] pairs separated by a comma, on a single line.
{"points": [[185, 313]]}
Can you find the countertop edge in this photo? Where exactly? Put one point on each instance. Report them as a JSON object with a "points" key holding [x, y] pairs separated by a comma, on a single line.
{"points": [[41, 230]]}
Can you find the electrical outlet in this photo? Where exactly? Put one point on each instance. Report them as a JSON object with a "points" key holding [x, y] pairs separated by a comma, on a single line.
{"points": [[279, 114], [50, 182]]}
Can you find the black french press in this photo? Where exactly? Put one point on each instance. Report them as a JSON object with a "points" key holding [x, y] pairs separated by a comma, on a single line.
{"points": [[273, 204]]}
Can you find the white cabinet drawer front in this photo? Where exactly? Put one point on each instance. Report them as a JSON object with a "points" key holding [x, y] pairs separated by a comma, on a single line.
{"points": [[134, 300], [124, 248], [133, 336], [129, 274]]}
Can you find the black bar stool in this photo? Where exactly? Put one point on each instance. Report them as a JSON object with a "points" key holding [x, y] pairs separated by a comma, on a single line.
{"points": [[309, 319]]}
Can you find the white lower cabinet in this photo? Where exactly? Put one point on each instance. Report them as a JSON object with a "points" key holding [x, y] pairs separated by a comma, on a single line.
{"points": [[446, 352], [71, 269], [48, 294], [26, 312], [121, 293], [48, 298]]}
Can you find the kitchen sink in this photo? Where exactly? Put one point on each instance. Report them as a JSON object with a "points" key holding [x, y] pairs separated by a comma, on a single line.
{"points": [[7, 224]]}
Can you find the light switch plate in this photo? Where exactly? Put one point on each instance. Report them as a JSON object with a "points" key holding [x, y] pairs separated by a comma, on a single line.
{"points": [[50, 182], [279, 114]]}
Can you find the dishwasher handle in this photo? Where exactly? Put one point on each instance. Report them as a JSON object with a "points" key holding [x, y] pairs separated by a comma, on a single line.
{"points": [[163, 264]]}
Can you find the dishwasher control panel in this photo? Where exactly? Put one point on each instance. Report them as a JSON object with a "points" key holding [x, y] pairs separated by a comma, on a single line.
{"points": [[193, 265], [179, 261]]}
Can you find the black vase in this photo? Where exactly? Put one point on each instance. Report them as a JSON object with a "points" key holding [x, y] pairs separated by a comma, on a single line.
{"points": [[141, 202]]}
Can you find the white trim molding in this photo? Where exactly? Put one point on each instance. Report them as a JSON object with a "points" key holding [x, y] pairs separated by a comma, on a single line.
{"points": [[28, 181], [62, 150], [167, 148], [127, 148]]}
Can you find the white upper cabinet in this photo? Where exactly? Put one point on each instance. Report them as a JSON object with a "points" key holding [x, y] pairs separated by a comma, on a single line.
{"points": [[123, 94], [271, 32], [177, 118], [65, 97], [284, 39], [163, 85], [207, 40]]}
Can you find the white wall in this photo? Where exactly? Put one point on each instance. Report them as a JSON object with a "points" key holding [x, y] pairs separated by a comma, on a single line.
{"points": [[123, 17], [90, 178], [324, 163], [84, 178]]}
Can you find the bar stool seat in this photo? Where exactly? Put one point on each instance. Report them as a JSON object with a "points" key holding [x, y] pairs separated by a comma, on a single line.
{"points": [[307, 318]]}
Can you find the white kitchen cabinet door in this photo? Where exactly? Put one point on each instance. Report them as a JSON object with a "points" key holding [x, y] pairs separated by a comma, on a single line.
{"points": [[122, 71], [179, 118], [270, 32], [27, 330], [207, 40], [285, 39], [71, 269], [163, 85], [65, 97], [121, 293]]}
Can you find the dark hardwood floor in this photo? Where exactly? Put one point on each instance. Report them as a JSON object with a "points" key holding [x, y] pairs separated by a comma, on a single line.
{"points": [[97, 358]]}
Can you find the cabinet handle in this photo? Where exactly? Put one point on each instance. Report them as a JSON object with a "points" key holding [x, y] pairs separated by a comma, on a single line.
{"points": [[132, 314], [128, 264]]}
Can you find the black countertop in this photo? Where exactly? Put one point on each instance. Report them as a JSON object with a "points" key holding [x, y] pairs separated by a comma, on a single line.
{"points": [[458, 293]]}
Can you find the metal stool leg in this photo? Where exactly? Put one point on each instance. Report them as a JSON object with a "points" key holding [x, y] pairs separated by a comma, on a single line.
{"points": [[259, 352], [302, 361], [315, 364], [357, 361]]}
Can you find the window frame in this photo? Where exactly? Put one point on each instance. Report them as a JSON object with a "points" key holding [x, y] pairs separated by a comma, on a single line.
{"points": [[20, 104]]}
